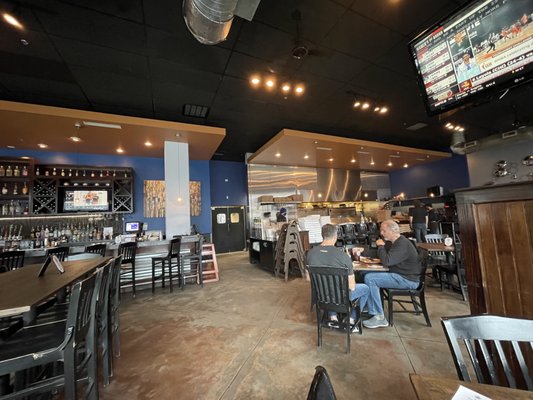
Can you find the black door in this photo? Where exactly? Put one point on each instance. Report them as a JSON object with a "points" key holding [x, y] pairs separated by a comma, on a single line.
{"points": [[228, 229]]}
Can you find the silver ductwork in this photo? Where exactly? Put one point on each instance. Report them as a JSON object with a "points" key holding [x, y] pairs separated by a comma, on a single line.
{"points": [[210, 20], [460, 146]]}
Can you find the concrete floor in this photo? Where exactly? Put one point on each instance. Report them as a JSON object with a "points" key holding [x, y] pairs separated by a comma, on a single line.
{"points": [[251, 336]]}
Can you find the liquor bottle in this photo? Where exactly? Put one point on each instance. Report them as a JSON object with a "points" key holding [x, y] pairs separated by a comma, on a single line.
{"points": [[4, 189], [92, 174], [9, 171], [37, 172], [54, 172], [62, 172], [101, 173], [32, 233], [70, 172], [15, 189], [46, 172], [16, 172], [2, 171], [24, 171]]}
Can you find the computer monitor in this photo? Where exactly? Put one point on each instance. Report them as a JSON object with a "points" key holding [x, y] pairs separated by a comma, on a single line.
{"points": [[133, 227]]}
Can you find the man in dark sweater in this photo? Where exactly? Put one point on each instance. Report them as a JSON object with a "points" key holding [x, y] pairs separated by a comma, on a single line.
{"points": [[401, 257], [326, 254]]}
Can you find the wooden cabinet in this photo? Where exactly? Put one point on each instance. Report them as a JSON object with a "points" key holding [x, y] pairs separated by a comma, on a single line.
{"points": [[497, 235]]}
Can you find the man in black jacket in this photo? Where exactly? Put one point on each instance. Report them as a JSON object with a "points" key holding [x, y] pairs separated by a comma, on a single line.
{"points": [[401, 257]]}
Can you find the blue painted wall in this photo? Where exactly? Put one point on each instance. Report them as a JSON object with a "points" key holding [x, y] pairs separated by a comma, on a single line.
{"points": [[229, 183], [450, 173]]}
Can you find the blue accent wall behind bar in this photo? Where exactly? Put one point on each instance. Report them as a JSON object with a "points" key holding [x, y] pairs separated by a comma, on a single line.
{"points": [[450, 173], [229, 184]]}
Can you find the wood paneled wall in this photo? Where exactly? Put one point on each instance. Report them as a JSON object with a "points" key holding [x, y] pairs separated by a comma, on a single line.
{"points": [[497, 234]]}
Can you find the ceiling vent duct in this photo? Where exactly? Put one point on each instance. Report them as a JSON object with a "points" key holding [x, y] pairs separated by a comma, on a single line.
{"points": [[460, 146], [209, 21]]}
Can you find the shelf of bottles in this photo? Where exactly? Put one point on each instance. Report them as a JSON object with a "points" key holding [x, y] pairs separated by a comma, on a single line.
{"points": [[50, 178], [42, 231], [16, 177]]}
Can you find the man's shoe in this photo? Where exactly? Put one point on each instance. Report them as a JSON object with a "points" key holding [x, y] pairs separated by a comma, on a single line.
{"points": [[354, 328], [334, 324], [374, 322]]}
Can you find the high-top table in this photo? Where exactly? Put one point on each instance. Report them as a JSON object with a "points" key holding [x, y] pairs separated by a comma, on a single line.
{"points": [[433, 388], [23, 289]]}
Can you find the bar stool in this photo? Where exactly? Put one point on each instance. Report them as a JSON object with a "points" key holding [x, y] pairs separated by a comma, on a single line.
{"points": [[128, 252], [60, 252], [194, 258], [170, 260], [11, 260], [96, 249]]}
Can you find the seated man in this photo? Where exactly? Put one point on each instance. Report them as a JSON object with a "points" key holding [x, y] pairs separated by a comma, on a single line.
{"points": [[326, 254], [401, 257]]}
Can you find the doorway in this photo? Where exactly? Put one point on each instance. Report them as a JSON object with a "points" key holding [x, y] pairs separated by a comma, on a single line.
{"points": [[229, 228]]}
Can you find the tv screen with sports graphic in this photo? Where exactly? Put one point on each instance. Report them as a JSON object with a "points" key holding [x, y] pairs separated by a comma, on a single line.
{"points": [[484, 47], [85, 200]]}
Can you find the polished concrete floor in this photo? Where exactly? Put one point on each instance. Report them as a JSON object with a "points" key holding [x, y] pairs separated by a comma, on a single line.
{"points": [[252, 336]]}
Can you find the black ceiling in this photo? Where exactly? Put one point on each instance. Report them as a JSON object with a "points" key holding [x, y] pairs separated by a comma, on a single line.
{"points": [[137, 58]]}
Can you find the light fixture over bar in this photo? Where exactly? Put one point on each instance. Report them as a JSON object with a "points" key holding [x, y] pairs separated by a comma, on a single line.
{"points": [[101, 125]]}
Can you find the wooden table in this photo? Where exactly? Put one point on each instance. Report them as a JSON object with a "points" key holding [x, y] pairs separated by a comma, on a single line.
{"points": [[369, 267], [435, 247], [433, 388], [22, 289]]}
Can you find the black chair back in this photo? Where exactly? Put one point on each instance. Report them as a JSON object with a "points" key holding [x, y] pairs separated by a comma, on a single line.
{"points": [[321, 387], [174, 248], [127, 251], [11, 260], [495, 345], [60, 252], [349, 233], [332, 293], [96, 249]]}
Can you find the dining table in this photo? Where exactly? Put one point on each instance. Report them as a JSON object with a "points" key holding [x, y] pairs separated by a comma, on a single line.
{"points": [[436, 388], [360, 266], [23, 289], [436, 247]]}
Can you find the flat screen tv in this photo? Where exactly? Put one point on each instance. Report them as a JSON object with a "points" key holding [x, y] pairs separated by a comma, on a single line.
{"points": [[484, 47], [85, 200]]}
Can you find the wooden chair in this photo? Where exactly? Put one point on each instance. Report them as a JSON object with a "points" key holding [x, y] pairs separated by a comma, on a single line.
{"points": [[96, 249], [11, 260], [114, 310], [331, 291], [60, 252], [321, 387], [128, 251], [172, 259], [495, 346], [416, 297], [70, 342]]}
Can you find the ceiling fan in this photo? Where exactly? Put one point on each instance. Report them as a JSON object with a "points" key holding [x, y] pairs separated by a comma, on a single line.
{"points": [[300, 50]]}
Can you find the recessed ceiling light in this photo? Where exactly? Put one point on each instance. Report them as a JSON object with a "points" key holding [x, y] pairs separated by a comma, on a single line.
{"points": [[286, 87], [148, 143], [356, 104], [383, 110], [406, 165], [372, 162], [178, 134], [11, 20], [75, 139], [365, 106], [255, 81], [377, 108], [270, 83], [390, 164], [306, 157], [42, 145], [120, 150], [299, 89], [278, 154], [353, 160], [330, 159]]}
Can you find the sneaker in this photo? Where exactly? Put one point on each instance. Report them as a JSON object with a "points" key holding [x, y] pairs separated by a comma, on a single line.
{"points": [[374, 322], [334, 323], [354, 328]]}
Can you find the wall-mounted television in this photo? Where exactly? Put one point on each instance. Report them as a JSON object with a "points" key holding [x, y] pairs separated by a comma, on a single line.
{"points": [[85, 200], [483, 47]]}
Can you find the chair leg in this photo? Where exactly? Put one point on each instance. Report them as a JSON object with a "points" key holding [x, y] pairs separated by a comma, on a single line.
{"points": [[106, 357], [153, 277], [415, 305], [390, 308], [424, 308], [319, 316]]}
